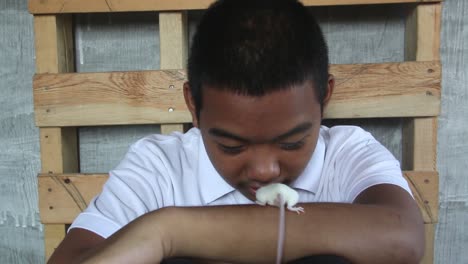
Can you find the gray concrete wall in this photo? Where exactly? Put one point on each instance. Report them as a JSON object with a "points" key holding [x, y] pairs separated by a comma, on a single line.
{"points": [[108, 42], [20, 229], [452, 230]]}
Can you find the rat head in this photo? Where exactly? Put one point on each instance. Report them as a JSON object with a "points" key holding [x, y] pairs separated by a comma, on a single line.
{"points": [[258, 82]]}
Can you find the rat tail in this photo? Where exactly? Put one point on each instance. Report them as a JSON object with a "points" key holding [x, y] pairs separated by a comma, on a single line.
{"points": [[281, 230]]}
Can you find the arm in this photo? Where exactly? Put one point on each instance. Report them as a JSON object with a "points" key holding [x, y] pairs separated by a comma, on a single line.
{"points": [[76, 243], [382, 226]]}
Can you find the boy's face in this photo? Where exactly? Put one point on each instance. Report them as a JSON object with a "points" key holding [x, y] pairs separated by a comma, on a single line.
{"points": [[255, 141]]}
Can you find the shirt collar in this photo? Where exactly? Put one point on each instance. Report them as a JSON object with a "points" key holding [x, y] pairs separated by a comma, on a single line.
{"points": [[213, 186]]}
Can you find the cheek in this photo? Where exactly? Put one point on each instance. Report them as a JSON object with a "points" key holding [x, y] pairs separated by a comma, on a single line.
{"points": [[294, 162], [229, 167]]}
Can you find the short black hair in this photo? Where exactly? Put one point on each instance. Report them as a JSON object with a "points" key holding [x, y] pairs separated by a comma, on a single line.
{"points": [[254, 47]]}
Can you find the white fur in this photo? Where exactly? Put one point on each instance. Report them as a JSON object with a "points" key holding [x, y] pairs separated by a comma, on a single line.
{"points": [[269, 194]]}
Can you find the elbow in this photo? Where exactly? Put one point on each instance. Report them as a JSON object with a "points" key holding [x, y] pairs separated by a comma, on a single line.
{"points": [[409, 253], [409, 245]]}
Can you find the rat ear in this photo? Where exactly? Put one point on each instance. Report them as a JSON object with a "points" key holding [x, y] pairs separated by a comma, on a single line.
{"points": [[190, 102]]}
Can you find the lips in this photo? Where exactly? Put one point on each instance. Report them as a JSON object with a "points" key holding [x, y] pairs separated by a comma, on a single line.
{"points": [[253, 189]]}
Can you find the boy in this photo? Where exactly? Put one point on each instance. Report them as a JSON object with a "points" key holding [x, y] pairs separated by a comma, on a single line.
{"points": [[258, 83]]}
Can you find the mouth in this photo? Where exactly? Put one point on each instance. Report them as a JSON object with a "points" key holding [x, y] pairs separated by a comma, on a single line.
{"points": [[253, 190]]}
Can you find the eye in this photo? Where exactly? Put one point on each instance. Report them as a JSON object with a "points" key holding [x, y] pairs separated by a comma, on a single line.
{"points": [[293, 146], [231, 149]]}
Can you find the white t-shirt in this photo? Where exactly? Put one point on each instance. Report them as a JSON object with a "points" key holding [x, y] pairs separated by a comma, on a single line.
{"points": [[174, 170]]}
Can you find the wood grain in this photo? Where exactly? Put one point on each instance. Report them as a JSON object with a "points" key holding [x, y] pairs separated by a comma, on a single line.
{"points": [[419, 135], [64, 196], [59, 151], [422, 35], [59, 146], [173, 38], [422, 43], [90, 6], [53, 43], [152, 97], [425, 188], [428, 257]]}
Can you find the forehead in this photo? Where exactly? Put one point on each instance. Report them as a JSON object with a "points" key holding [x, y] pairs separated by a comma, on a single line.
{"points": [[257, 116]]}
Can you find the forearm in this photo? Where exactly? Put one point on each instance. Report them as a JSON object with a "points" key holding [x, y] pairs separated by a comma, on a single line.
{"points": [[141, 241], [361, 233]]}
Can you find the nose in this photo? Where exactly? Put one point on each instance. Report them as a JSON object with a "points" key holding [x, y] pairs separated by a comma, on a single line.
{"points": [[264, 167]]}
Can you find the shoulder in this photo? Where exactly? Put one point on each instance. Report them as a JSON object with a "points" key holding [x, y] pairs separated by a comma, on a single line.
{"points": [[343, 139], [356, 161], [158, 161], [349, 143], [175, 141], [343, 134], [173, 148]]}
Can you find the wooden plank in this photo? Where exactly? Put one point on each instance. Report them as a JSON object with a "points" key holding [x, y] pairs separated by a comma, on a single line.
{"points": [[420, 134], [90, 6], [110, 98], [54, 43], [53, 234], [173, 34], [422, 35], [173, 38], [429, 247], [425, 188], [64, 196], [148, 97], [169, 128], [59, 148], [422, 43], [385, 90], [420, 144]]}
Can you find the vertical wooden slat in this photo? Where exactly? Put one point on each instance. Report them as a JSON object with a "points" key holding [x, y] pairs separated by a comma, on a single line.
{"points": [[420, 134], [59, 150], [423, 33], [429, 232], [169, 128], [54, 43], [174, 49], [420, 144]]}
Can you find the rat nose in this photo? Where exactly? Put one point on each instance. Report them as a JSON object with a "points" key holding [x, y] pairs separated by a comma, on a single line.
{"points": [[264, 167]]}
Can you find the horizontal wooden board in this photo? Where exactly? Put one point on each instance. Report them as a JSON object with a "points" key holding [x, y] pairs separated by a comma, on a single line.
{"points": [[63, 196], [90, 6], [408, 89]]}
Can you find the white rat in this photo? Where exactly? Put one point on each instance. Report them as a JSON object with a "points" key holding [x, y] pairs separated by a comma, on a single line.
{"points": [[269, 194], [278, 194]]}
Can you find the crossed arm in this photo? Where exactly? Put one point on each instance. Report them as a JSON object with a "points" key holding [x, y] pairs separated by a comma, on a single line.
{"points": [[383, 225]]}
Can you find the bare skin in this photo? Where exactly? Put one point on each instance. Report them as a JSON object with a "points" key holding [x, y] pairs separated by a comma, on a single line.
{"points": [[391, 228], [383, 225]]}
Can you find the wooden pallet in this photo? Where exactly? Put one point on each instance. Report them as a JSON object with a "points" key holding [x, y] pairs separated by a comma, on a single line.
{"points": [[411, 90]]}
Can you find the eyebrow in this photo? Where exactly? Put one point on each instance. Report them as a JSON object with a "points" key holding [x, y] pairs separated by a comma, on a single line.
{"points": [[296, 130]]}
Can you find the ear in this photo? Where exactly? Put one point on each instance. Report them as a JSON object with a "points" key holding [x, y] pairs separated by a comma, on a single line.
{"points": [[330, 88], [190, 102]]}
